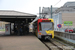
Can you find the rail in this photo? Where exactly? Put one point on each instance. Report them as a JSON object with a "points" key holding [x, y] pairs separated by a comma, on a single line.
{"points": [[51, 46]]}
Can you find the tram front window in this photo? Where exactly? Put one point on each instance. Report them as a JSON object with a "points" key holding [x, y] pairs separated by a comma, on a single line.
{"points": [[47, 25]]}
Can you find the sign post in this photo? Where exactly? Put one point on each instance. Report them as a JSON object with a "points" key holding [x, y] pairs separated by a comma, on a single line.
{"points": [[68, 23], [59, 26]]}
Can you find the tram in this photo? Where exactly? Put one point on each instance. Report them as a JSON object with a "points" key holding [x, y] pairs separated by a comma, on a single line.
{"points": [[44, 28]]}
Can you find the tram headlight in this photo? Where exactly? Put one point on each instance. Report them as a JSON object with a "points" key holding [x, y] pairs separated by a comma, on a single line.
{"points": [[40, 33]]}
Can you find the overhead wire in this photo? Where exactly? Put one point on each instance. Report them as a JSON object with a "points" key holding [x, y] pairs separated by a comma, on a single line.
{"points": [[57, 3]]}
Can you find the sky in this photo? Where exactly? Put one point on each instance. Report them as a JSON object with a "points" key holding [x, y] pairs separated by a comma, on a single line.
{"points": [[30, 6]]}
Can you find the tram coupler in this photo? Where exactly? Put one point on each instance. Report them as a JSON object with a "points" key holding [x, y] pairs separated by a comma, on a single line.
{"points": [[47, 37]]}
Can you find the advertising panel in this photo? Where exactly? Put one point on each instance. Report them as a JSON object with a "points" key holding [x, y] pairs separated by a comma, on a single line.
{"points": [[7, 29]]}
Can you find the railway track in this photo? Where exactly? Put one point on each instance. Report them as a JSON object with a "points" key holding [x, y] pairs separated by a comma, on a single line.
{"points": [[54, 45], [51, 45]]}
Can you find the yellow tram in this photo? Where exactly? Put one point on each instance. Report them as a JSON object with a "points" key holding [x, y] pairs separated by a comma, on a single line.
{"points": [[44, 28]]}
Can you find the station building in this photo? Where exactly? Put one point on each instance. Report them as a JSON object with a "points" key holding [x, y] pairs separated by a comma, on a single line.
{"points": [[16, 20]]}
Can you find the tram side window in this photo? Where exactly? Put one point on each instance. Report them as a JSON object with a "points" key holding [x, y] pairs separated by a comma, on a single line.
{"points": [[40, 26]]}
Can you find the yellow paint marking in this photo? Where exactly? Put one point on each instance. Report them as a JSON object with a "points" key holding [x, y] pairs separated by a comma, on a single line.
{"points": [[50, 32]]}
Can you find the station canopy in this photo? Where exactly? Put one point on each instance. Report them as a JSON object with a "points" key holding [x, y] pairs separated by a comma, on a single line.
{"points": [[12, 16]]}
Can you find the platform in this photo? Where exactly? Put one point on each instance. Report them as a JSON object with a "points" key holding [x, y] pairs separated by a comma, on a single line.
{"points": [[29, 42], [2, 33]]}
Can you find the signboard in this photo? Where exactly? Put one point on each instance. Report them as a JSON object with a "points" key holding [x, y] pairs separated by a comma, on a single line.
{"points": [[66, 23], [7, 29], [59, 25]]}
